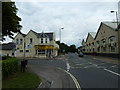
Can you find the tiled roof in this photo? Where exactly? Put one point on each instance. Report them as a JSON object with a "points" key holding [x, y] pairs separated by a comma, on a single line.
{"points": [[41, 35], [8, 46], [113, 25]]}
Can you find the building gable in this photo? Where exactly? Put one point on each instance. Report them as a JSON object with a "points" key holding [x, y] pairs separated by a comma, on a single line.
{"points": [[89, 38], [19, 35], [31, 34], [102, 30]]}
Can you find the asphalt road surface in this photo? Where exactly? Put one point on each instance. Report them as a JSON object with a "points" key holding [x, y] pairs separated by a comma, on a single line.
{"points": [[89, 72]]}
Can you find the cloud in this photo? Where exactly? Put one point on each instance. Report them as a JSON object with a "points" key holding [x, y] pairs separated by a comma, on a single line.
{"points": [[77, 18]]}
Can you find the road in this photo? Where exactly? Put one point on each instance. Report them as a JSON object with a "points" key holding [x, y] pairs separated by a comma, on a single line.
{"points": [[89, 72]]}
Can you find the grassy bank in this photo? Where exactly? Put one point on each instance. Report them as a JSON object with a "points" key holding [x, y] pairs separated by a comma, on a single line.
{"points": [[21, 80]]}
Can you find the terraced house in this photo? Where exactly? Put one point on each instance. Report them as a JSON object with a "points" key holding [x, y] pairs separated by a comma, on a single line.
{"points": [[104, 42], [39, 45]]}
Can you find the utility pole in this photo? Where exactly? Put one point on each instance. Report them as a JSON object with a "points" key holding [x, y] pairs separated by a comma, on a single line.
{"points": [[117, 29]]}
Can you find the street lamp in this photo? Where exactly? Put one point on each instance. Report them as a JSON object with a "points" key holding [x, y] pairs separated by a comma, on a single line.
{"points": [[60, 37], [60, 33], [118, 31], [116, 16]]}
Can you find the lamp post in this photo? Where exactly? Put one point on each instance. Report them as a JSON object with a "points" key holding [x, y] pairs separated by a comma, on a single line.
{"points": [[116, 16], [118, 31], [60, 33], [24, 48], [60, 36]]}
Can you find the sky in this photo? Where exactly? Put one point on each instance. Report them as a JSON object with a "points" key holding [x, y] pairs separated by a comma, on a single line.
{"points": [[76, 17]]}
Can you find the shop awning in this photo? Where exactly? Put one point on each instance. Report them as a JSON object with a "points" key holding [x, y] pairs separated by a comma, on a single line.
{"points": [[44, 47]]}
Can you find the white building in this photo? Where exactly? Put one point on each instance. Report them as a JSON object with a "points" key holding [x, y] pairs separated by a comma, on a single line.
{"points": [[36, 45]]}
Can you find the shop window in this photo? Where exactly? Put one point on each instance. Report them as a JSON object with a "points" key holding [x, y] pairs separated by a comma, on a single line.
{"points": [[36, 51], [41, 51]]}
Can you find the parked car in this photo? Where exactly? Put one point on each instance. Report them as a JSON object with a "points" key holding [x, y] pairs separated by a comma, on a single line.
{"points": [[80, 54]]}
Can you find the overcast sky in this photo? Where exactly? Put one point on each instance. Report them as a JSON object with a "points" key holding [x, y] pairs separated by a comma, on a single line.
{"points": [[77, 18]]}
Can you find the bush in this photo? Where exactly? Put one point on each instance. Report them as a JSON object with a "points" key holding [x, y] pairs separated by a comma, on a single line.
{"points": [[9, 66]]}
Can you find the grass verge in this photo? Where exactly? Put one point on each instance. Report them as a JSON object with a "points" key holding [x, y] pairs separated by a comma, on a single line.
{"points": [[21, 80]]}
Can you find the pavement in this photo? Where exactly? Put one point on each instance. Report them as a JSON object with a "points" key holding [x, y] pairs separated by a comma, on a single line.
{"points": [[53, 77], [105, 59]]}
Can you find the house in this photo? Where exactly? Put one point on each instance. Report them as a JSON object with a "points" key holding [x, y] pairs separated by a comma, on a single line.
{"points": [[104, 42], [39, 45], [107, 38], [8, 49], [90, 42]]}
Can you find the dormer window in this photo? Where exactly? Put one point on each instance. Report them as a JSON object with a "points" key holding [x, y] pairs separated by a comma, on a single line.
{"points": [[46, 40], [41, 40]]}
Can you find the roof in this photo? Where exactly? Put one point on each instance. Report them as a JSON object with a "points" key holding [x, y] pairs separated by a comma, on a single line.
{"points": [[8, 46], [22, 34], [42, 35], [92, 34], [112, 25]]}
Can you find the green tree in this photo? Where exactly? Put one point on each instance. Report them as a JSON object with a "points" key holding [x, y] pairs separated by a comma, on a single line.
{"points": [[72, 48], [10, 20]]}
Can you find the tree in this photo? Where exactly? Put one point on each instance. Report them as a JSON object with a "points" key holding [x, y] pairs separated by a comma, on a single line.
{"points": [[10, 21], [72, 48]]}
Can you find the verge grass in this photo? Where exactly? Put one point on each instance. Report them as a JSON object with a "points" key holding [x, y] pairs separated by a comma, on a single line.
{"points": [[21, 80]]}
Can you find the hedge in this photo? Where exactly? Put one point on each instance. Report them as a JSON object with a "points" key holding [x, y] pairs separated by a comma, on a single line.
{"points": [[9, 66]]}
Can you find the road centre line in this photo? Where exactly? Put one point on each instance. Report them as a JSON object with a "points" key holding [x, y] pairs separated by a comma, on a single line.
{"points": [[111, 72]]}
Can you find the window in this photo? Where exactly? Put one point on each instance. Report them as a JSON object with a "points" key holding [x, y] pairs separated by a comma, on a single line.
{"points": [[17, 41], [21, 50], [41, 40], [41, 51], [112, 38], [27, 50], [112, 49], [98, 49], [21, 41], [31, 40], [46, 40], [36, 51], [103, 41], [97, 42]]}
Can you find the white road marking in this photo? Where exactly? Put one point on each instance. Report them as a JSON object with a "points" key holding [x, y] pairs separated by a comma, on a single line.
{"points": [[111, 72], [114, 65], [68, 66]]}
